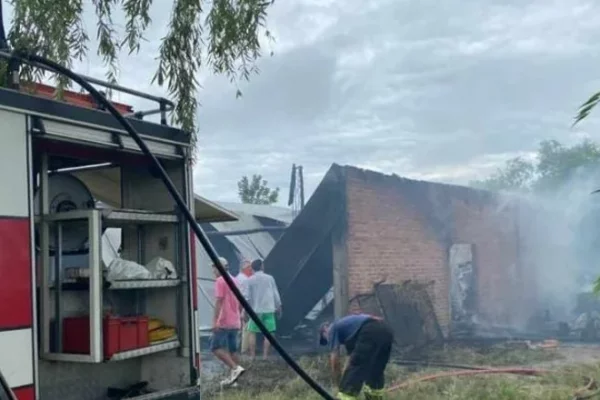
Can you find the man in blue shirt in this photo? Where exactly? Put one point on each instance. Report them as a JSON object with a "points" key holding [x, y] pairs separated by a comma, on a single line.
{"points": [[368, 341]]}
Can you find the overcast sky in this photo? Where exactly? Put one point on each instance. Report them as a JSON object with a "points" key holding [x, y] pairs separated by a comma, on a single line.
{"points": [[441, 90]]}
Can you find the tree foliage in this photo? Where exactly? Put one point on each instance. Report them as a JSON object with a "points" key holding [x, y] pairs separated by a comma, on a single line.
{"points": [[256, 191], [553, 165], [516, 175], [221, 36], [586, 108]]}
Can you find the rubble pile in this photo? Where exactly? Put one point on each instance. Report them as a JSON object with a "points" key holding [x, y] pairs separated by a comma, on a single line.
{"points": [[586, 327]]}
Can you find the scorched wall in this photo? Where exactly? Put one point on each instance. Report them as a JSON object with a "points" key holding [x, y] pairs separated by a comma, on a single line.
{"points": [[400, 229]]}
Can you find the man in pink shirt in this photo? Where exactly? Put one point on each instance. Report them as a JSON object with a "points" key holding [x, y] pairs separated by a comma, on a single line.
{"points": [[226, 326]]}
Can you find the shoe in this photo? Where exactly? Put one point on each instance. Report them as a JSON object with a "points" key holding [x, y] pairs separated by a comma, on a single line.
{"points": [[373, 394], [235, 374], [225, 382]]}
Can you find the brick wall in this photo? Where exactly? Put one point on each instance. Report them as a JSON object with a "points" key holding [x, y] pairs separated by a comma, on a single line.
{"points": [[387, 239], [493, 231], [401, 229]]}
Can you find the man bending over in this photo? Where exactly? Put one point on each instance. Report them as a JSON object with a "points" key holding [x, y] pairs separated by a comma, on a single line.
{"points": [[368, 341]]}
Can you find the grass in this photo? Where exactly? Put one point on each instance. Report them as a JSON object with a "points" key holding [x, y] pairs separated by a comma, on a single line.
{"points": [[498, 355], [276, 382]]}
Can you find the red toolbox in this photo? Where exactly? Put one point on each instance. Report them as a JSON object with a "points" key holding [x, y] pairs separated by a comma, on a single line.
{"points": [[119, 334], [133, 333]]}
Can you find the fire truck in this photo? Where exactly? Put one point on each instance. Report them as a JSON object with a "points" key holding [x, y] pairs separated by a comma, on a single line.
{"points": [[79, 319]]}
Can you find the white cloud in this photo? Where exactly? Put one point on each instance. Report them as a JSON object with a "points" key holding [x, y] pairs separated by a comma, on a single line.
{"points": [[445, 91], [434, 90]]}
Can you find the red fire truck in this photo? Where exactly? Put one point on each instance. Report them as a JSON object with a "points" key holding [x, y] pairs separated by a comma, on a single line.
{"points": [[74, 323]]}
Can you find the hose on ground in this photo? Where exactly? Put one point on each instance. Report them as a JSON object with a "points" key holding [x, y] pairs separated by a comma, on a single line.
{"points": [[426, 364], [515, 371], [33, 59], [3, 41], [580, 394]]}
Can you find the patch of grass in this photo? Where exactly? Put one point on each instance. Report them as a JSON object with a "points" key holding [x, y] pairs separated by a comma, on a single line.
{"points": [[275, 381], [560, 385], [500, 355]]}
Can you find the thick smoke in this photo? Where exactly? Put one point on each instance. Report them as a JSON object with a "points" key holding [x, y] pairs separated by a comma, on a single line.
{"points": [[559, 243]]}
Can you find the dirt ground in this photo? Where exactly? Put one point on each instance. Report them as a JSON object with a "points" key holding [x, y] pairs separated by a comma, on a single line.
{"points": [[572, 363]]}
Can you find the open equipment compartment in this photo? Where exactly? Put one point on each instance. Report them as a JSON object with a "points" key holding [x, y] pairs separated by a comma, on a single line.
{"points": [[117, 312], [71, 177]]}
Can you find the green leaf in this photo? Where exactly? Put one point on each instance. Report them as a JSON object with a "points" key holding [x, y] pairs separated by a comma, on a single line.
{"points": [[586, 108], [597, 286]]}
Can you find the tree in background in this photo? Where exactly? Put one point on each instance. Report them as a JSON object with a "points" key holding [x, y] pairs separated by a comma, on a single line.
{"points": [[222, 36], [516, 175], [256, 191], [553, 165]]}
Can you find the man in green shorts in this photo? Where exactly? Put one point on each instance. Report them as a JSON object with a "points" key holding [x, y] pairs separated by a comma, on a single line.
{"points": [[263, 296]]}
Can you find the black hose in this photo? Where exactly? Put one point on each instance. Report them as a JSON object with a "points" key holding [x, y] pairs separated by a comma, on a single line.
{"points": [[3, 41], [57, 68]]}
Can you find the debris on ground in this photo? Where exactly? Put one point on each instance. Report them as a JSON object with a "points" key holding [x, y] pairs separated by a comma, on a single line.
{"points": [[408, 309], [586, 326]]}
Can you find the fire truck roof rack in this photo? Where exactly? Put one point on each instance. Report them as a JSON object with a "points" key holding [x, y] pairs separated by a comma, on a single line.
{"points": [[75, 123], [164, 105]]}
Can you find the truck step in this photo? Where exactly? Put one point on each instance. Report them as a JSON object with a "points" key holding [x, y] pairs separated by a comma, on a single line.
{"points": [[187, 393]]}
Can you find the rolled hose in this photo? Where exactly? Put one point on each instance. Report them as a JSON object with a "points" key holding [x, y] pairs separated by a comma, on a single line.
{"points": [[29, 58]]}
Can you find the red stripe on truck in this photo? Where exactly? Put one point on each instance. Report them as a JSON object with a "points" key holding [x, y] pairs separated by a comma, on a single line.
{"points": [[25, 393], [15, 273]]}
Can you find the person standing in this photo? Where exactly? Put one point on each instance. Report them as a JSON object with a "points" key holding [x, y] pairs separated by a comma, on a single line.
{"points": [[368, 341], [226, 326], [242, 278], [264, 298]]}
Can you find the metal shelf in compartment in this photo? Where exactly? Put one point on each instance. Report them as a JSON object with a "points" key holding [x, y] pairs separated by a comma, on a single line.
{"points": [[143, 284], [83, 284], [118, 218], [158, 347]]}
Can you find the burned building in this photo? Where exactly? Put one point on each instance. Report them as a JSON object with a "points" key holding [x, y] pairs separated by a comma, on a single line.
{"points": [[362, 228]]}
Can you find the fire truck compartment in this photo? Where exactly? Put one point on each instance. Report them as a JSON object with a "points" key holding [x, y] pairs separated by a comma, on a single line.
{"points": [[80, 319]]}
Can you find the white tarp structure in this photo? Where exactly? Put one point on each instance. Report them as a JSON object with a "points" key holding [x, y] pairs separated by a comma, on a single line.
{"points": [[246, 246]]}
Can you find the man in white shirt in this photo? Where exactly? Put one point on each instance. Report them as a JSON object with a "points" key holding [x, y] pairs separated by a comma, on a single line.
{"points": [[242, 278], [264, 298]]}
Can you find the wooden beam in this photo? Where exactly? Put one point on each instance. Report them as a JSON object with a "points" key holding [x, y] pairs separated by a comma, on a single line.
{"points": [[340, 269]]}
